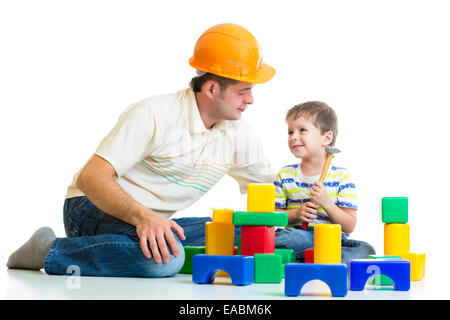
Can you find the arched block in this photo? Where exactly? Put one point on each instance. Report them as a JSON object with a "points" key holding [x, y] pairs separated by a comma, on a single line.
{"points": [[240, 268], [297, 274], [397, 270]]}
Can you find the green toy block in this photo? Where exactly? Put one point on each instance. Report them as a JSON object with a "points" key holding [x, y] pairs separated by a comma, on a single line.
{"points": [[394, 209], [242, 218], [189, 253], [287, 256], [268, 268], [239, 245], [381, 279]]}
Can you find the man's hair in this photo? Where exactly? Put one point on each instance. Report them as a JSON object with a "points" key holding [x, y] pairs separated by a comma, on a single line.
{"points": [[198, 81], [321, 115]]}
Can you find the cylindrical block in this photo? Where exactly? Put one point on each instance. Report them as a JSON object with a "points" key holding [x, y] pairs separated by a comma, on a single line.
{"points": [[396, 238], [327, 243]]}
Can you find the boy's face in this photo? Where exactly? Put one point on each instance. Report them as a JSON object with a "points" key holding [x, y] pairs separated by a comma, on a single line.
{"points": [[306, 140]]}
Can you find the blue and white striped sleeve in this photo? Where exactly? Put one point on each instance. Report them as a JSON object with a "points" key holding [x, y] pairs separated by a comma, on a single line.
{"points": [[280, 195], [346, 195]]}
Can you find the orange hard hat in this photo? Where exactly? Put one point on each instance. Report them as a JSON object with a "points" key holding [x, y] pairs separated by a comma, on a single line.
{"points": [[231, 51]]}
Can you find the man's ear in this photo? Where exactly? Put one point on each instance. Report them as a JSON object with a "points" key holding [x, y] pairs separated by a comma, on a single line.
{"points": [[211, 89]]}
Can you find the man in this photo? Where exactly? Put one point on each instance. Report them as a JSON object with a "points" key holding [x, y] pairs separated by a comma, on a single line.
{"points": [[164, 153]]}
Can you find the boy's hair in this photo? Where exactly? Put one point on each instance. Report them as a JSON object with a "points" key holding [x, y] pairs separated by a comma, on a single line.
{"points": [[322, 116], [197, 82]]}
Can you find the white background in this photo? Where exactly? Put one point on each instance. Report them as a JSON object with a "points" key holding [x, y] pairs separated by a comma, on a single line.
{"points": [[69, 68]]}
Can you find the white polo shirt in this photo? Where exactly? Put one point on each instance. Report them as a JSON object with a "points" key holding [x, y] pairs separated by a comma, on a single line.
{"points": [[166, 159]]}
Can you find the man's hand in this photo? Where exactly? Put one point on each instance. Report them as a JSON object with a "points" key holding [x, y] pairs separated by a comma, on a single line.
{"points": [[307, 212], [155, 231]]}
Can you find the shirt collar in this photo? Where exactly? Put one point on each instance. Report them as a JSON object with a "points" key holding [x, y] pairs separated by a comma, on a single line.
{"points": [[196, 124], [195, 120]]}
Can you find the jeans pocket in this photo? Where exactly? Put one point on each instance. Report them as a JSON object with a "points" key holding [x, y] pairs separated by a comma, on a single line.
{"points": [[81, 217], [72, 230]]}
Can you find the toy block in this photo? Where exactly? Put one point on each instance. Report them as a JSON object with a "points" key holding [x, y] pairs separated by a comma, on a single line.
{"points": [[396, 238], [222, 215], [260, 219], [219, 238], [268, 268], [417, 264], [394, 209], [381, 279], [239, 268], [327, 243], [189, 253], [397, 270], [257, 239], [260, 198], [375, 256], [287, 256], [239, 245], [309, 255], [297, 274]]}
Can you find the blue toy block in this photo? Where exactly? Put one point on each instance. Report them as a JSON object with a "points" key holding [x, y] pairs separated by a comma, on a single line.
{"points": [[241, 269], [297, 274], [397, 270]]}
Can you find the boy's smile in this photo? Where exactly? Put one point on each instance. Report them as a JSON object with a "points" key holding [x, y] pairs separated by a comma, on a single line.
{"points": [[306, 140]]}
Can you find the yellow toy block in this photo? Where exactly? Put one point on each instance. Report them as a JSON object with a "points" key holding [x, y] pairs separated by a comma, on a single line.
{"points": [[223, 215], [219, 238], [396, 238], [327, 243], [417, 264], [260, 198]]}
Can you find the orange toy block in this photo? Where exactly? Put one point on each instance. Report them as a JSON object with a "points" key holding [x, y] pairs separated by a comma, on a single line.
{"points": [[223, 215], [260, 198], [396, 238], [219, 238], [417, 264]]}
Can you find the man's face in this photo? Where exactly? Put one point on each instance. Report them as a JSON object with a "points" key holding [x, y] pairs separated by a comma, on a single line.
{"points": [[232, 102]]}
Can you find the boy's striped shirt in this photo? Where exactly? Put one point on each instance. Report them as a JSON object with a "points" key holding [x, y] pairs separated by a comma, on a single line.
{"points": [[292, 189]]}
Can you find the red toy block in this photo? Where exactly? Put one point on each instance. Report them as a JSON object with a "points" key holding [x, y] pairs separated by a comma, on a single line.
{"points": [[309, 255], [257, 239]]}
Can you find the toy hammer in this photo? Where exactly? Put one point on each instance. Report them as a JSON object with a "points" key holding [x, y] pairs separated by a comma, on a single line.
{"points": [[330, 152]]}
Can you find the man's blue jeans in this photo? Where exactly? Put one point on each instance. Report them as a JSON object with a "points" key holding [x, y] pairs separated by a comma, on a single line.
{"points": [[99, 244]]}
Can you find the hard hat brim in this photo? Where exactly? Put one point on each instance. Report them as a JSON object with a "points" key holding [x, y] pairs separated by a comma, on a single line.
{"points": [[265, 74]]}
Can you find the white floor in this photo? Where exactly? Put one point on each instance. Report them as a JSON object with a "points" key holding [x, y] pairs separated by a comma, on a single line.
{"points": [[30, 285]]}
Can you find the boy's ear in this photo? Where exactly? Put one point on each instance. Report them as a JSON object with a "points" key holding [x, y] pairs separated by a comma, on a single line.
{"points": [[328, 137]]}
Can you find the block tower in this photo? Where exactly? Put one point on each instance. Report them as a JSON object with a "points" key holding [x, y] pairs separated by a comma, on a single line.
{"points": [[219, 239], [323, 263], [397, 235], [258, 232], [219, 235], [257, 260]]}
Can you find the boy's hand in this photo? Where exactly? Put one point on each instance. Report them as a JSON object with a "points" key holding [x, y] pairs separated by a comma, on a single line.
{"points": [[319, 194], [308, 212]]}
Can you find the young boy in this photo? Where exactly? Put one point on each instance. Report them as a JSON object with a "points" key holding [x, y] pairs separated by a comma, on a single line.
{"points": [[312, 126]]}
